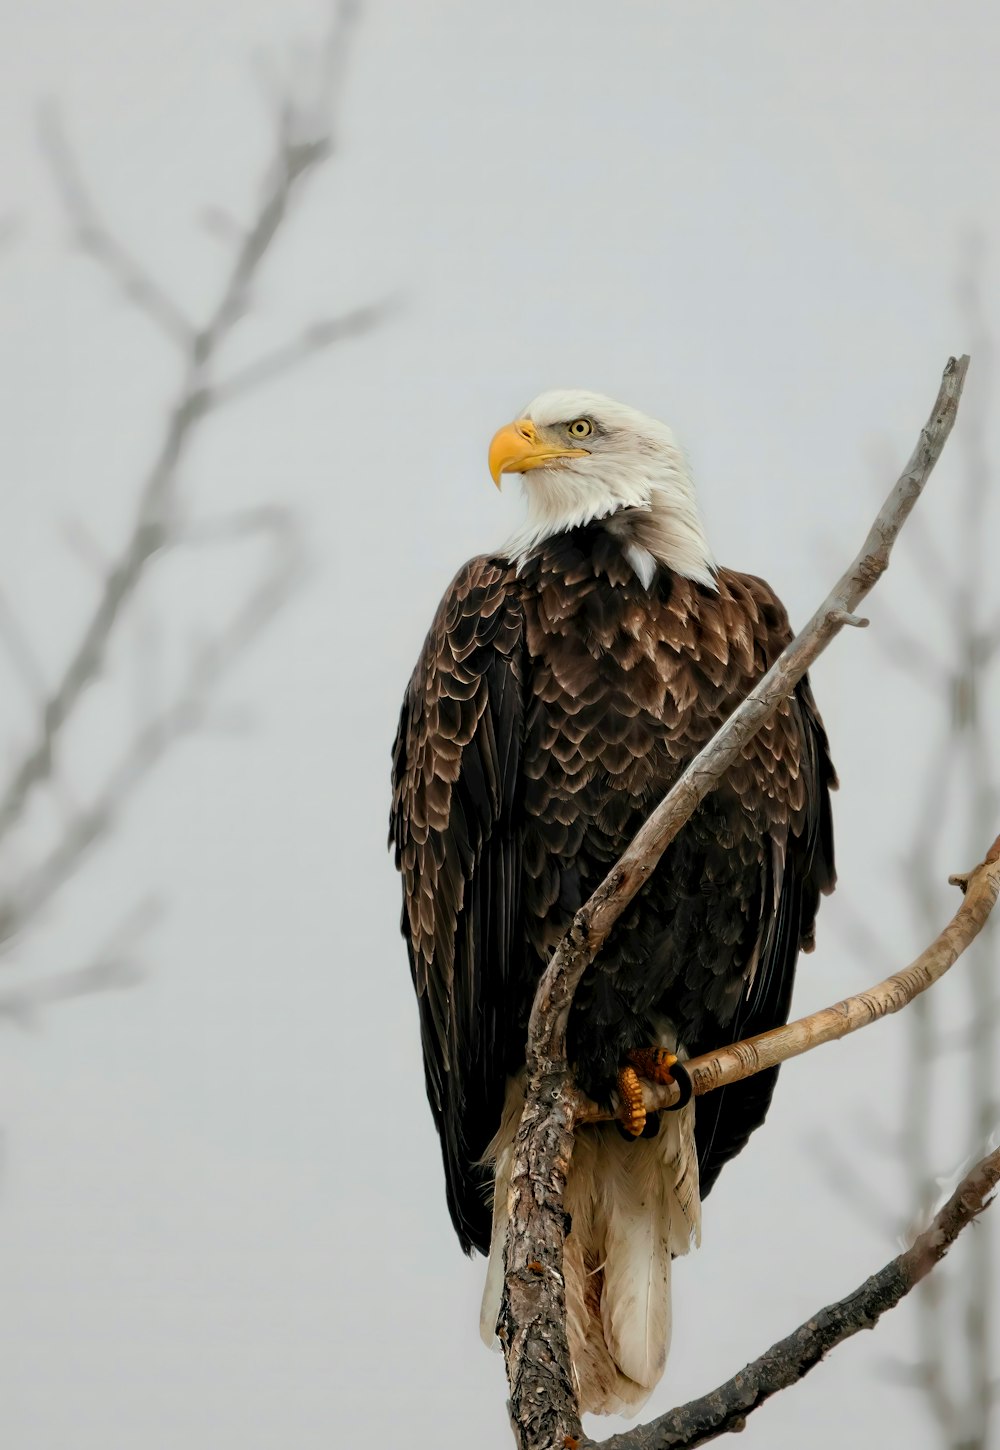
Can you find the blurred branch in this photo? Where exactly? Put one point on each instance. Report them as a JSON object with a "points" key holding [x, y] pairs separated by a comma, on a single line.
{"points": [[22, 1005], [93, 236], [315, 338], [532, 1321], [990, 640], [975, 738], [852, 1185], [211, 663], [955, 1313], [908, 652], [302, 142], [785, 1363], [860, 936], [113, 968], [917, 866]]}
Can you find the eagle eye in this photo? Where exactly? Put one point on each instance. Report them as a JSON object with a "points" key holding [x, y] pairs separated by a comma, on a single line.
{"points": [[581, 428]]}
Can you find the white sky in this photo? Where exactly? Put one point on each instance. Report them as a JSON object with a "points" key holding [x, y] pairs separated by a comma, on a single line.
{"points": [[748, 220]]}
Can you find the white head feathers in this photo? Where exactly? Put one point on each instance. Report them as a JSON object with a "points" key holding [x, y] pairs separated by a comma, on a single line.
{"points": [[632, 472]]}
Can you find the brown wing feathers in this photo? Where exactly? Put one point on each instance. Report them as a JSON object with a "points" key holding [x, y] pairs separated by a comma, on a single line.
{"points": [[456, 766], [548, 713], [786, 775]]}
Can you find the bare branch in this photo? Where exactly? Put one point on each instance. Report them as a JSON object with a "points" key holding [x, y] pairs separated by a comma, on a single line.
{"points": [[932, 562], [301, 145], [95, 238], [714, 1070], [594, 920], [990, 642], [22, 1005], [532, 1324], [212, 662], [788, 1361], [315, 338], [113, 968]]}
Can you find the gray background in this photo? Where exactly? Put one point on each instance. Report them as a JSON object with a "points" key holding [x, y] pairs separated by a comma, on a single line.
{"points": [[747, 219]]}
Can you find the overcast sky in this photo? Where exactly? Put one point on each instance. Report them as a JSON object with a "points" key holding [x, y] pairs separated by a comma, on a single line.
{"points": [[749, 220]]}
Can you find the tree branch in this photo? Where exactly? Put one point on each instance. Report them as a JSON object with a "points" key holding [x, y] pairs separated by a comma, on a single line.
{"points": [[114, 967], [532, 1322], [94, 237], [712, 1070], [792, 1358], [302, 142], [211, 662], [593, 922], [284, 358]]}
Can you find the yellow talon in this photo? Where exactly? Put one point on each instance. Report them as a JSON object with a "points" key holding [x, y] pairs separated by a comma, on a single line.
{"points": [[634, 1109], [654, 1063]]}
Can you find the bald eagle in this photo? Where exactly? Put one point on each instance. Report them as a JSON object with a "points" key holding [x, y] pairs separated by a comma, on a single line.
{"points": [[564, 685]]}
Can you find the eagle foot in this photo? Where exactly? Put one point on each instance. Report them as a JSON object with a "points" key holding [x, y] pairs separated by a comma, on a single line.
{"points": [[656, 1064], [633, 1119]]}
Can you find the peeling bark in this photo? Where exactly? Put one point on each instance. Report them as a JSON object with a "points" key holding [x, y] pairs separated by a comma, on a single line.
{"points": [[532, 1322]]}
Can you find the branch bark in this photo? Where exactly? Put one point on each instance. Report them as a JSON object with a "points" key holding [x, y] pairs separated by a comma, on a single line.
{"points": [[712, 1070], [726, 1408], [532, 1324]]}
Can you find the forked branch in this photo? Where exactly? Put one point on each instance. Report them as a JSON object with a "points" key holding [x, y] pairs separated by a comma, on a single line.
{"points": [[532, 1324], [303, 140], [593, 922]]}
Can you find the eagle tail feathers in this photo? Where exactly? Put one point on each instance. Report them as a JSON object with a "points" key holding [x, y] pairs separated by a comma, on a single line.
{"points": [[633, 1206]]}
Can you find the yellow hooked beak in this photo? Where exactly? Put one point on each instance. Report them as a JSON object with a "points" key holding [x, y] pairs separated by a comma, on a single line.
{"points": [[518, 447]]}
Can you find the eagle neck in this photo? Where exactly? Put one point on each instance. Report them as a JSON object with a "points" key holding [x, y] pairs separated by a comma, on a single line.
{"points": [[650, 539]]}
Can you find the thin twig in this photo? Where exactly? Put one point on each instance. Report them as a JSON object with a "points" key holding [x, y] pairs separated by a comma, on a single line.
{"points": [[283, 359], [114, 967], [184, 713], [302, 143], [22, 1005], [94, 237], [853, 1185], [907, 652]]}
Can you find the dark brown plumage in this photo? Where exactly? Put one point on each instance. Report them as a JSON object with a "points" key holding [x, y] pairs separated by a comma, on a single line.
{"points": [[549, 711]]}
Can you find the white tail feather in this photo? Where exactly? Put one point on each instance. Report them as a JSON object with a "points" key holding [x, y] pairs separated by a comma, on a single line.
{"points": [[633, 1206], [500, 1154], [635, 1305]]}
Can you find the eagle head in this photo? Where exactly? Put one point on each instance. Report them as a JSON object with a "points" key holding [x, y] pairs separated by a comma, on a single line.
{"points": [[584, 458]]}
